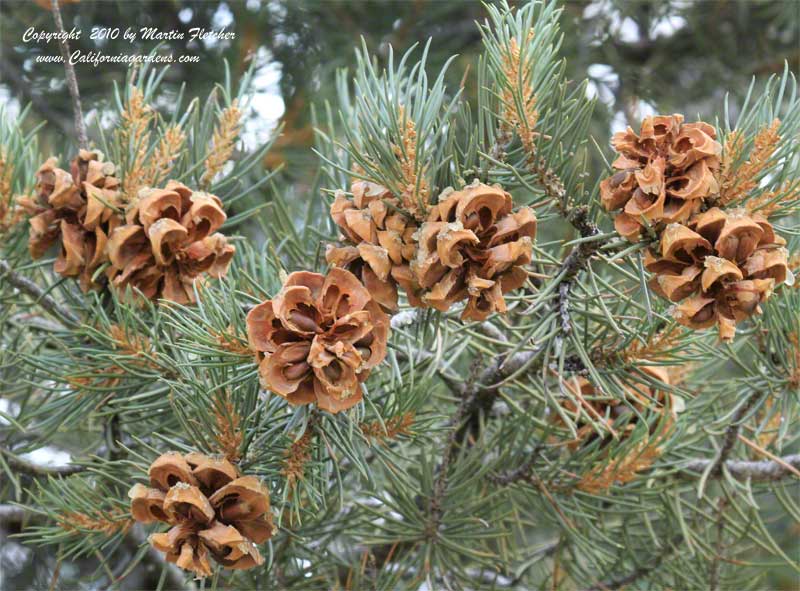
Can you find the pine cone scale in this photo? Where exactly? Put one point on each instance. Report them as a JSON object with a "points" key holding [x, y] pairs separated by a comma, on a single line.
{"points": [[213, 511], [318, 338]]}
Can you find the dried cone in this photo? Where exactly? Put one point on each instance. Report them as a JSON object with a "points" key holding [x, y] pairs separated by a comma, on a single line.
{"points": [[665, 172], [473, 247], [720, 268], [318, 339], [78, 209], [587, 404], [378, 239], [168, 242], [214, 511]]}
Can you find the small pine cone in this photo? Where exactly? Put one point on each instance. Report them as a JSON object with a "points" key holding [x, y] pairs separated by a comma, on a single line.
{"points": [[169, 242], [720, 268], [665, 172], [379, 242], [586, 403], [473, 247], [79, 209], [212, 508], [318, 339]]}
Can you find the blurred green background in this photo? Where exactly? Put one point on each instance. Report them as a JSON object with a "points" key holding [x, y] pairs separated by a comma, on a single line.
{"points": [[641, 57]]}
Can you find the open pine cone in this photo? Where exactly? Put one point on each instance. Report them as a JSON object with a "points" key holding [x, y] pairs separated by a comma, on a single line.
{"points": [[473, 247], [79, 209], [212, 509], [720, 267], [588, 404], [318, 339], [168, 242], [665, 172], [379, 242]]}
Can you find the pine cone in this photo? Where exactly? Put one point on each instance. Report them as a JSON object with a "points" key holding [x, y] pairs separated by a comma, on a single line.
{"points": [[473, 247], [379, 241], [212, 509], [78, 208], [720, 268], [665, 172], [640, 395], [168, 242], [318, 339]]}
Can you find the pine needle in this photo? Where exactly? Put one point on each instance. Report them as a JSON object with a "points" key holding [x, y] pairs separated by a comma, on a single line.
{"points": [[624, 469], [138, 346], [794, 376], [390, 429], [770, 202], [6, 174], [8, 216], [655, 348], [415, 190], [109, 523], [230, 342], [738, 181], [522, 117], [133, 133], [770, 430], [228, 428], [166, 152], [222, 142], [297, 456]]}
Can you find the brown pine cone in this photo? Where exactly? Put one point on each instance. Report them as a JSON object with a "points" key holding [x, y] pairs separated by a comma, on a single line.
{"points": [[318, 339], [588, 404], [473, 247], [212, 508], [378, 240], [169, 242], [79, 209], [720, 267], [665, 172]]}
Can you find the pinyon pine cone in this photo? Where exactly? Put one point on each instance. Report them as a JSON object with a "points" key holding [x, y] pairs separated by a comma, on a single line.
{"points": [[212, 509], [80, 209], [168, 241], [665, 173], [720, 267], [473, 247], [318, 339], [641, 395], [378, 240]]}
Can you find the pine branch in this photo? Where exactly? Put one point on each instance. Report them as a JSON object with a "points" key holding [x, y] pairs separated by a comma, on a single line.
{"points": [[762, 470], [448, 453], [72, 80], [482, 393], [11, 514], [38, 294], [41, 104], [713, 570], [24, 466], [626, 580], [732, 434], [639, 572], [575, 262]]}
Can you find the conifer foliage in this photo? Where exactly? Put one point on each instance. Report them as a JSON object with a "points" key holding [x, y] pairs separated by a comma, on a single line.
{"points": [[465, 365]]}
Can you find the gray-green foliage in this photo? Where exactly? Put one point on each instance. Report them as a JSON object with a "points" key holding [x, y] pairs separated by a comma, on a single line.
{"points": [[482, 491]]}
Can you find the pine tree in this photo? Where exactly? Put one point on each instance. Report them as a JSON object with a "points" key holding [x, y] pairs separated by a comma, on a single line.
{"points": [[463, 363]]}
